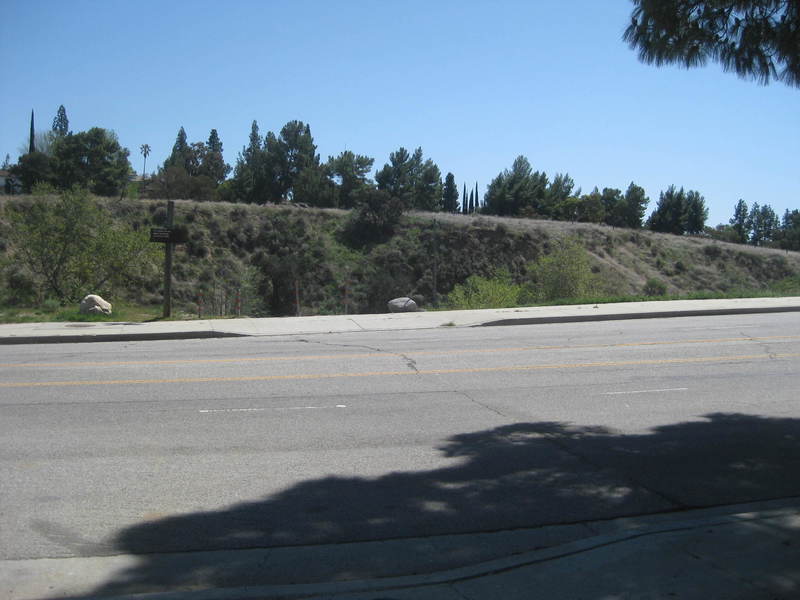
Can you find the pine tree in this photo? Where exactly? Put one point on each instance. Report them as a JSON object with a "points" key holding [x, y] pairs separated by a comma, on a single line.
{"points": [[61, 122], [739, 221], [450, 194], [213, 164], [756, 39], [181, 155]]}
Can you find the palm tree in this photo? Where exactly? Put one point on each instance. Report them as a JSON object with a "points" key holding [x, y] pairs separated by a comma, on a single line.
{"points": [[145, 150]]}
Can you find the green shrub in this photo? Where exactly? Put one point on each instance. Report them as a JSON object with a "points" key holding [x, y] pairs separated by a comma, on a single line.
{"points": [[655, 287], [481, 292], [563, 274], [71, 246]]}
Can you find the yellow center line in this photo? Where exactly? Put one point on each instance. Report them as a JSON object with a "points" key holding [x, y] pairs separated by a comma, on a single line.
{"points": [[379, 354], [306, 376]]}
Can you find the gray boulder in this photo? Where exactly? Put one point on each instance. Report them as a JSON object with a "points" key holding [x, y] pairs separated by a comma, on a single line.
{"points": [[402, 305], [93, 304]]}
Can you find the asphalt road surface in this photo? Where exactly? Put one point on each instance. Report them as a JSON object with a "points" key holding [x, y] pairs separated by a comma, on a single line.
{"points": [[112, 448]]}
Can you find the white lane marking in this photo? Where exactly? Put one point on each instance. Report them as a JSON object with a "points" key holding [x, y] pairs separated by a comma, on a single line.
{"points": [[233, 410], [645, 391]]}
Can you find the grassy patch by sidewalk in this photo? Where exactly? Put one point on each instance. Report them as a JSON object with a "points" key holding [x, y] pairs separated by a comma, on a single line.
{"points": [[52, 312]]}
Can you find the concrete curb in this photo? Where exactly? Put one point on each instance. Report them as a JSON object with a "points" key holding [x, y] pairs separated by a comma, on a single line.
{"points": [[117, 337], [551, 315], [629, 316], [496, 567]]}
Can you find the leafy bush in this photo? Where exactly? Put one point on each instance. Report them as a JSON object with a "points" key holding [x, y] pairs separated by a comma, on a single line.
{"points": [[654, 287], [72, 247], [374, 218], [563, 274], [481, 292]]}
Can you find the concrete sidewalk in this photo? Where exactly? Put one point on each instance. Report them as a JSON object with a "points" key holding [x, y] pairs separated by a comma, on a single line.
{"points": [[32, 333], [743, 551]]}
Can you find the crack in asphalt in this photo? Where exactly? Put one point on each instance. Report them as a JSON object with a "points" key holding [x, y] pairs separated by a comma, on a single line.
{"points": [[359, 346], [765, 346], [481, 404], [410, 362]]}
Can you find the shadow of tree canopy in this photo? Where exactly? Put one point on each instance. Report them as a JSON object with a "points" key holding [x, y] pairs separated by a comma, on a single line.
{"points": [[521, 475]]}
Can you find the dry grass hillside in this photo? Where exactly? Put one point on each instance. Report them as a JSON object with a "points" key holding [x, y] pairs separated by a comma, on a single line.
{"points": [[261, 260], [628, 258]]}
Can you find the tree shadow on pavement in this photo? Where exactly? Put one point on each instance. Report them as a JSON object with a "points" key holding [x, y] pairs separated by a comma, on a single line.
{"points": [[515, 476]]}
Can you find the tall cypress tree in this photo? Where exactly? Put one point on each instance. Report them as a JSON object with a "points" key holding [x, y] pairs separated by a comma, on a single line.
{"points": [[31, 144], [471, 202], [477, 201], [464, 205]]}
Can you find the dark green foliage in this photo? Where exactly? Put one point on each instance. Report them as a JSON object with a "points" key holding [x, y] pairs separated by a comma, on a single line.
{"points": [[182, 155], [739, 222], [517, 191], [669, 216], [635, 203], [33, 168], [374, 218], [590, 208], [557, 194], [291, 153], [723, 233], [763, 224], [61, 122], [450, 194], [174, 183], [31, 140], [613, 207], [292, 260], [788, 237], [212, 164], [696, 213], [268, 168], [350, 173], [192, 171], [654, 287], [753, 38], [253, 179], [679, 212], [91, 159], [414, 181], [312, 187]]}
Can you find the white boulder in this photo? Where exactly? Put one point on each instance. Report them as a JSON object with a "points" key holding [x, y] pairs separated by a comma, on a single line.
{"points": [[93, 304], [402, 305]]}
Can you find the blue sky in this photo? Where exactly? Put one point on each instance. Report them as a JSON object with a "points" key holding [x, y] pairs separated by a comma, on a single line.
{"points": [[475, 84]]}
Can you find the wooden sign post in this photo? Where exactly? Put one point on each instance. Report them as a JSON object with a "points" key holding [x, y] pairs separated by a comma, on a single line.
{"points": [[169, 236]]}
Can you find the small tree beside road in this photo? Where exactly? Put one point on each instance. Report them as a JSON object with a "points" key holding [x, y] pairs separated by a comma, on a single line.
{"points": [[72, 247]]}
